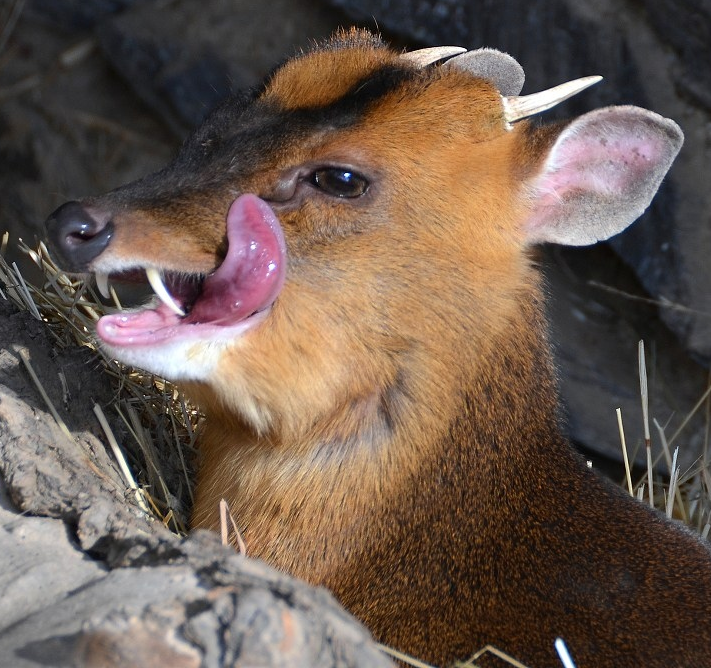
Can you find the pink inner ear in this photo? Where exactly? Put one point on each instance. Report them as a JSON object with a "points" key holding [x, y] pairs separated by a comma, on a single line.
{"points": [[600, 163], [601, 174]]}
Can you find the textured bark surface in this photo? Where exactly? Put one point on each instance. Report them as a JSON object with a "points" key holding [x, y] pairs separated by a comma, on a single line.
{"points": [[88, 581]]}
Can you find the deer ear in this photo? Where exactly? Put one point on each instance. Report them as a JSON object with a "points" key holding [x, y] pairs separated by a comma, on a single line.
{"points": [[600, 175], [495, 66]]}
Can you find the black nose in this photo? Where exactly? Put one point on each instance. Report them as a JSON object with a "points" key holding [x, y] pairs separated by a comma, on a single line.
{"points": [[76, 237]]}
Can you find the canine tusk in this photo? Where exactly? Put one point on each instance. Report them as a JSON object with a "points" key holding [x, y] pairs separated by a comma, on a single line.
{"points": [[159, 288], [102, 284]]}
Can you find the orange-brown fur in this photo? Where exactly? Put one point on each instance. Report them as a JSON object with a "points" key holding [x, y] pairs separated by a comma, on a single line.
{"points": [[392, 431]]}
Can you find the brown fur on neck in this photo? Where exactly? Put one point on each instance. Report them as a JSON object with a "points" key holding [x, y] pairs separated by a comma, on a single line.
{"points": [[444, 540]]}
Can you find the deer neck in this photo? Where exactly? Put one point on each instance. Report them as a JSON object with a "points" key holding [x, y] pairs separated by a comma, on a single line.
{"points": [[308, 506]]}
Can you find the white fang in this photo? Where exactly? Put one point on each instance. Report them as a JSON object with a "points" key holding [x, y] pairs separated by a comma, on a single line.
{"points": [[159, 288], [102, 284]]}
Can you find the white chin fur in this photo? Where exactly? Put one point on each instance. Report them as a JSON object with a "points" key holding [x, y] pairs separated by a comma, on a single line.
{"points": [[196, 361], [173, 360]]}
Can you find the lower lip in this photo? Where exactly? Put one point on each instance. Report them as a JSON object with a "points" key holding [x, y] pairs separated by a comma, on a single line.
{"points": [[150, 329]]}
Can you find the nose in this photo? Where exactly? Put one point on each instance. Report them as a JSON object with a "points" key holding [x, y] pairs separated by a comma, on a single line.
{"points": [[76, 237]]}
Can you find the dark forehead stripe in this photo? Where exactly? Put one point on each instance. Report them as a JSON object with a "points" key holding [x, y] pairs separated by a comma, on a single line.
{"points": [[246, 129], [355, 102], [250, 126]]}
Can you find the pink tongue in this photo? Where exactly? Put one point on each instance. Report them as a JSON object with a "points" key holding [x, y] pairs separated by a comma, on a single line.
{"points": [[252, 273]]}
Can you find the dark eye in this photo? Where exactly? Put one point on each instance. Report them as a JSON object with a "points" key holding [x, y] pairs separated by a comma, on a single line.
{"points": [[339, 182]]}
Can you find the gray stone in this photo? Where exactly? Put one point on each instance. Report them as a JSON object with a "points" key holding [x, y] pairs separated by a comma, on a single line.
{"points": [[182, 63]]}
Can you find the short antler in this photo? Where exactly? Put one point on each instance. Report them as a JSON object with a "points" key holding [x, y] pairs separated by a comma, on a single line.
{"points": [[519, 107], [433, 54], [505, 73]]}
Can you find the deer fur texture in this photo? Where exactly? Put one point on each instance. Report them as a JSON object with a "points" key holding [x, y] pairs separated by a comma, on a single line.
{"points": [[383, 419]]}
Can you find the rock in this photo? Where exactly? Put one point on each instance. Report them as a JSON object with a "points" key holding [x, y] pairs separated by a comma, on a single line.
{"points": [[182, 63], [689, 34], [68, 127], [595, 335], [76, 14]]}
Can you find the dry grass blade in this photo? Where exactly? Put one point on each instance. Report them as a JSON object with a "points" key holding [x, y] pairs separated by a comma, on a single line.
{"points": [[403, 658], [16, 287], [118, 454], [225, 514], [490, 649], [665, 443], [45, 397], [644, 392], [661, 303], [673, 482], [674, 473], [563, 653], [162, 425], [702, 401], [628, 473]]}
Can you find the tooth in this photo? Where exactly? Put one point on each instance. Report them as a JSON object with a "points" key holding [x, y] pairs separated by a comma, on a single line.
{"points": [[159, 288], [102, 283]]}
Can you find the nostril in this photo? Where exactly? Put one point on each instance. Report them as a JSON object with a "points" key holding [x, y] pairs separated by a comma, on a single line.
{"points": [[76, 237]]}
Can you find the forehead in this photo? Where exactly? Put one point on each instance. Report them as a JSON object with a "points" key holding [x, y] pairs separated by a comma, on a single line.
{"points": [[346, 101], [354, 79], [325, 75], [347, 84], [329, 88]]}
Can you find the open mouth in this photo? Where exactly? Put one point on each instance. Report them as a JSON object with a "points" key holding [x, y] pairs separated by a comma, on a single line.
{"points": [[240, 290]]}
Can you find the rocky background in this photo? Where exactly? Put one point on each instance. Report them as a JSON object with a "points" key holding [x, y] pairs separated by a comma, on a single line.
{"points": [[94, 93]]}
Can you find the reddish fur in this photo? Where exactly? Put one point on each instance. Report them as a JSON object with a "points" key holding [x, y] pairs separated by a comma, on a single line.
{"points": [[391, 432]]}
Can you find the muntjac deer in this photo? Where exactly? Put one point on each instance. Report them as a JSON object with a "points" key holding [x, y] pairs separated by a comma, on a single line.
{"points": [[342, 260]]}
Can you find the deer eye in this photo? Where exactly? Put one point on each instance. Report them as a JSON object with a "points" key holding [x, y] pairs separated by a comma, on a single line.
{"points": [[339, 182]]}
